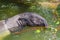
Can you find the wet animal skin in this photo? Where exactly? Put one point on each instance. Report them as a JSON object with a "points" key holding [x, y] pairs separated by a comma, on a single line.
{"points": [[18, 22]]}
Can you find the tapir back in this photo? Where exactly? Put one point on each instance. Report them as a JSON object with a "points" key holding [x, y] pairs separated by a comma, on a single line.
{"points": [[32, 19]]}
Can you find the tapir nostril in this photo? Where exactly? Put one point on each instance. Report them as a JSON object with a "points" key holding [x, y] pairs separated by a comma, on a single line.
{"points": [[42, 24]]}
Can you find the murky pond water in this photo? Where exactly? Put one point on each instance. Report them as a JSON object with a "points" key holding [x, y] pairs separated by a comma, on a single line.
{"points": [[28, 35], [4, 34], [25, 35]]}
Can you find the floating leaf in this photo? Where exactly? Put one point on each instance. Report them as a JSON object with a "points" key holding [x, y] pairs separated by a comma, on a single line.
{"points": [[57, 22], [38, 31], [56, 30]]}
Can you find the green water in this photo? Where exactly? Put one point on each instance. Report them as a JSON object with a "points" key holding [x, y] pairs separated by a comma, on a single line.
{"points": [[4, 34], [30, 35]]}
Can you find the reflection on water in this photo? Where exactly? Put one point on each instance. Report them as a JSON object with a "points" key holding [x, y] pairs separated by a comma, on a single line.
{"points": [[4, 34], [30, 34], [3, 31], [24, 35]]}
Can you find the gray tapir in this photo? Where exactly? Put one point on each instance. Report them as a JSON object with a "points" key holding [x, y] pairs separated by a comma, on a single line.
{"points": [[18, 22]]}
